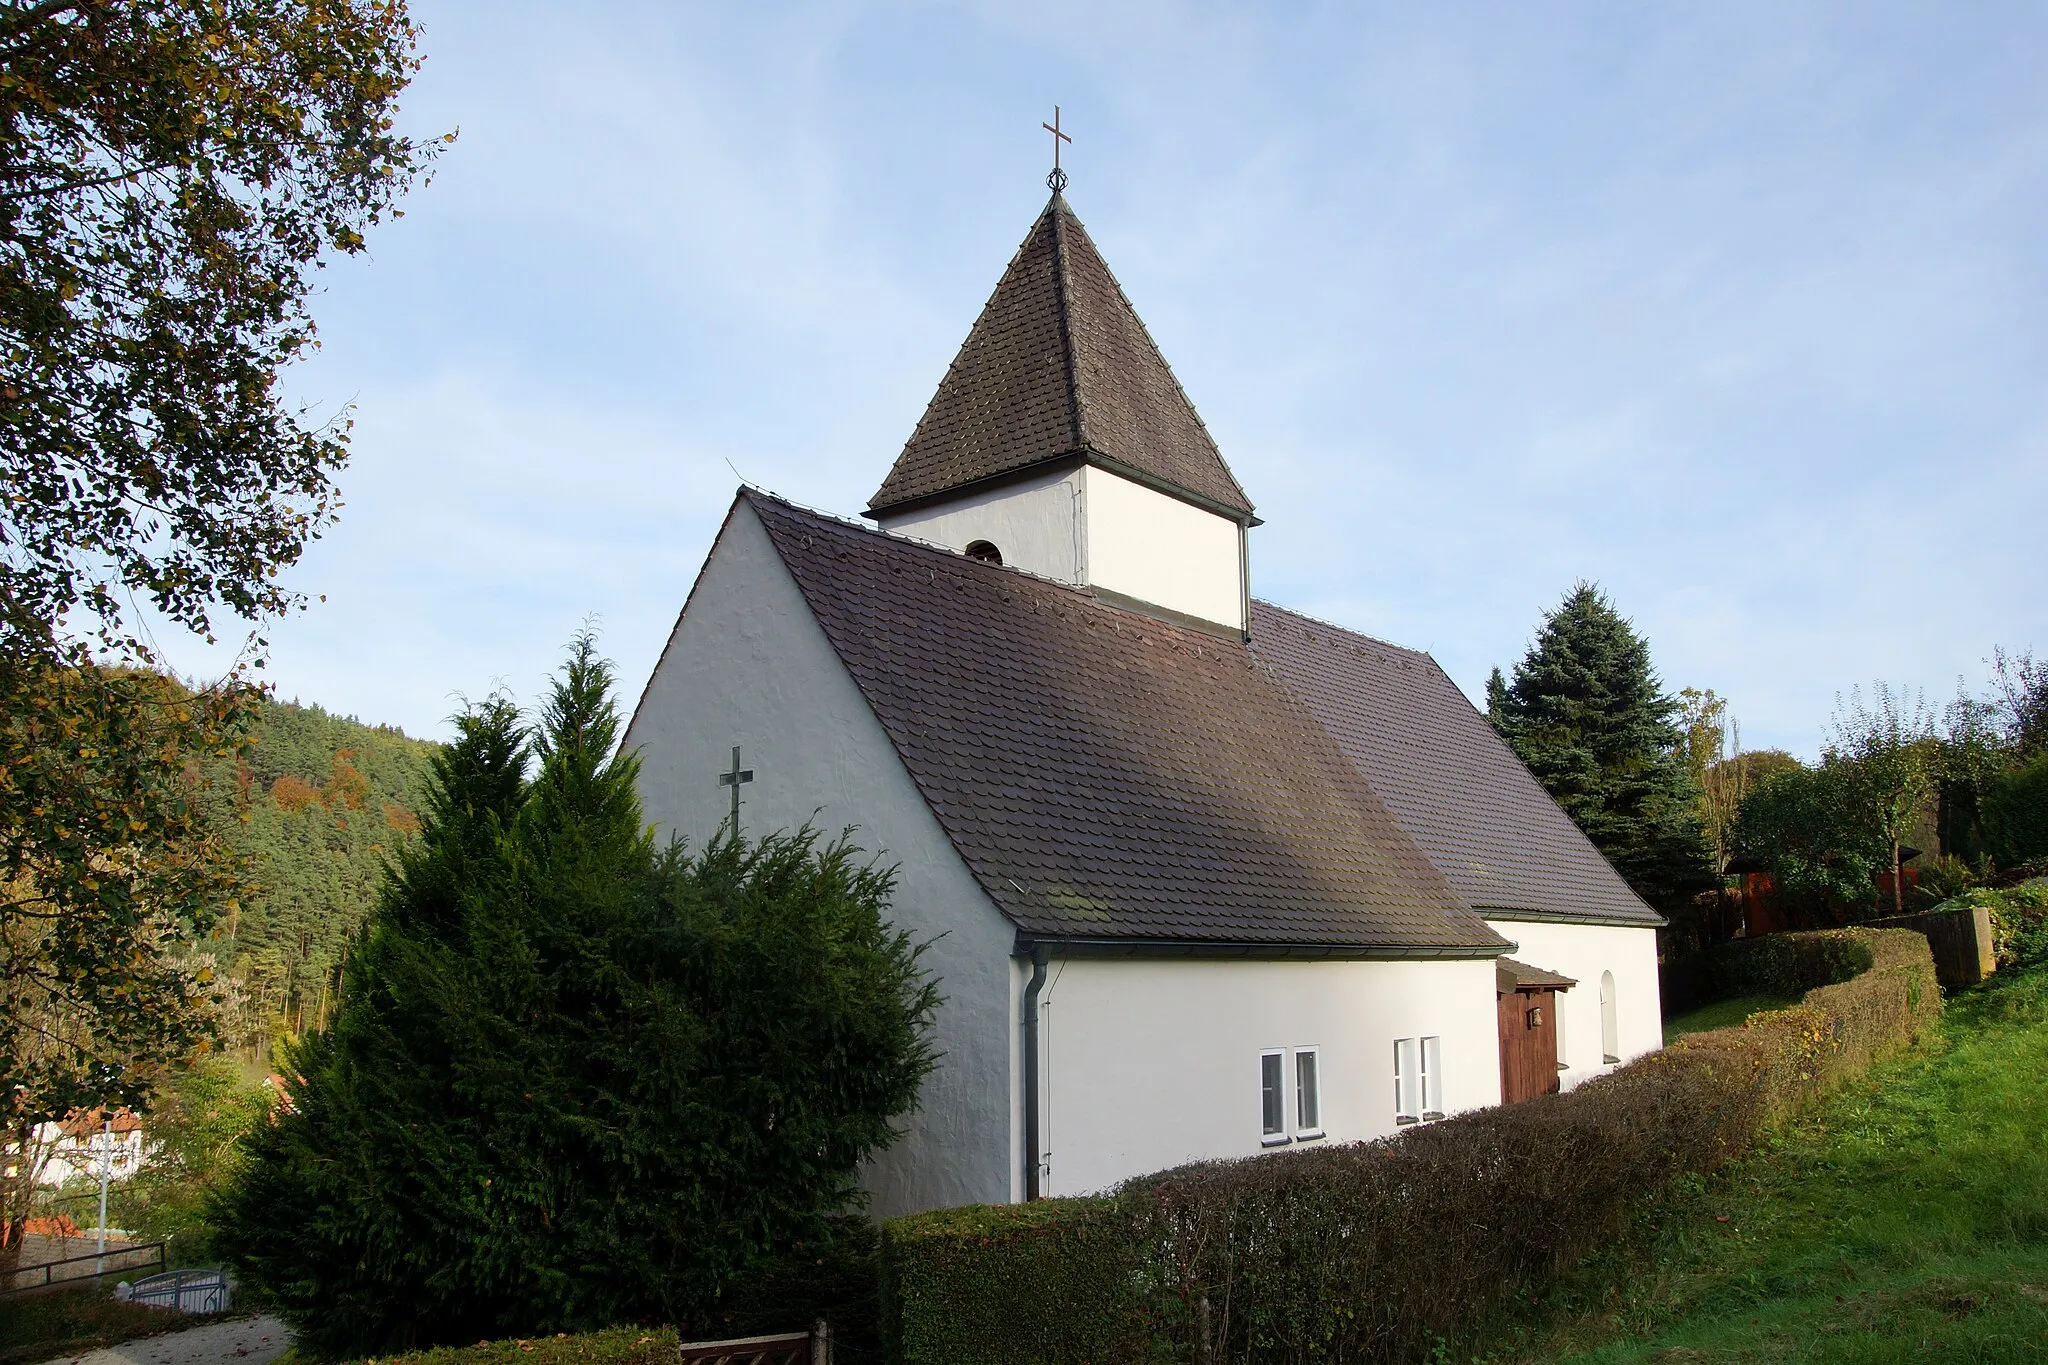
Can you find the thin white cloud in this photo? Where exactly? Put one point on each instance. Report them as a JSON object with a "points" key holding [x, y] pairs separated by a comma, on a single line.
{"points": [[1734, 310]]}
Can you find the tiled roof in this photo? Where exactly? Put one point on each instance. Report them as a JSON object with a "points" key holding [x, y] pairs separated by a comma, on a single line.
{"points": [[1107, 776], [1510, 975], [1446, 776], [1058, 365]]}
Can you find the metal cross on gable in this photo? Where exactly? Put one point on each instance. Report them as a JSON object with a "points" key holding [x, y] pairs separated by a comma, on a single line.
{"points": [[1058, 179], [735, 778]]}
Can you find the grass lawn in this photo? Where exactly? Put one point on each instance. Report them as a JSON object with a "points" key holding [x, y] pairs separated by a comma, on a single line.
{"points": [[1723, 1014], [1905, 1220], [617, 1346]]}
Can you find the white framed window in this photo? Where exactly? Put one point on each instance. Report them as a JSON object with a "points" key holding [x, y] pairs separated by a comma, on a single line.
{"points": [[1273, 1097], [1407, 1080], [1610, 1027], [1290, 1095], [1418, 1079], [1308, 1093]]}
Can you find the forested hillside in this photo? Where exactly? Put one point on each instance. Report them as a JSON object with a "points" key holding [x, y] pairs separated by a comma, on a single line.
{"points": [[316, 805]]}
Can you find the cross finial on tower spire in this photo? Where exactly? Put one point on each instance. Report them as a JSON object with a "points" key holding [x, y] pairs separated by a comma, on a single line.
{"points": [[1058, 179]]}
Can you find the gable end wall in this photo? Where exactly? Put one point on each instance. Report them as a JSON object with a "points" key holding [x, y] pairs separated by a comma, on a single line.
{"points": [[748, 665]]}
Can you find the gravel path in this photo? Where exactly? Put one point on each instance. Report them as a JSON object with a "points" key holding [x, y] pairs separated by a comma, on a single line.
{"points": [[244, 1341]]}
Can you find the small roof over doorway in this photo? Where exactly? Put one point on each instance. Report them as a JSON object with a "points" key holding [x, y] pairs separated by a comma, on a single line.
{"points": [[1510, 975]]}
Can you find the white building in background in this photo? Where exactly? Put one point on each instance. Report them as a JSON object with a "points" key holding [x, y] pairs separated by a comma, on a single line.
{"points": [[1202, 877], [80, 1145]]}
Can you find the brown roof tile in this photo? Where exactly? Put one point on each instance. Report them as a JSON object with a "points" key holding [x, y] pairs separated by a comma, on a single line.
{"points": [[1108, 776], [1510, 975], [1444, 773], [1059, 365]]}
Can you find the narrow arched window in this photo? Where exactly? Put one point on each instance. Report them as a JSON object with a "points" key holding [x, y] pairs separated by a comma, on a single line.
{"points": [[985, 551], [1610, 1029]]}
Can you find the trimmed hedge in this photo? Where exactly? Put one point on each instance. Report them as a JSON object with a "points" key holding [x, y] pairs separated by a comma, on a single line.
{"points": [[1053, 1280], [1378, 1250]]}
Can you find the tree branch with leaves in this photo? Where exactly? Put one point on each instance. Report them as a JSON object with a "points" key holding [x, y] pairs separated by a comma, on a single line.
{"points": [[1890, 748], [172, 175]]}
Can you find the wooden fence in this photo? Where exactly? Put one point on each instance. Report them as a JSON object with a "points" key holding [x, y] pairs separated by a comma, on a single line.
{"points": [[787, 1348]]}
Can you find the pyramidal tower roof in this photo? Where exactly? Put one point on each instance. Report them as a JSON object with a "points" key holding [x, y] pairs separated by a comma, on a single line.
{"points": [[1059, 367]]}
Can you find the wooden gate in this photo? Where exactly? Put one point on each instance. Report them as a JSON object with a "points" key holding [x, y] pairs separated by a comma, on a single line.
{"points": [[1527, 998], [786, 1348]]}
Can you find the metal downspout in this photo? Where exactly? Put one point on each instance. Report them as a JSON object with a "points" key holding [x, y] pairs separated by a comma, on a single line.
{"points": [[1040, 954]]}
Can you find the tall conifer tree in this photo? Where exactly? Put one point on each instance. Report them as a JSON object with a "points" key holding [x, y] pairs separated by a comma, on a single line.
{"points": [[1586, 712], [575, 1078]]}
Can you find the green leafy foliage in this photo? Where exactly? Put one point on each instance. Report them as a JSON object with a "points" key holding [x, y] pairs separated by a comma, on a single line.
{"points": [[195, 1132], [2016, 814], [576, 1079], [2019, 921], [1804, 827], [1885, 752], [990, 1284], [1586, 713], [110, 876], [175, 171], [1826, 834], [1379, 1251]]}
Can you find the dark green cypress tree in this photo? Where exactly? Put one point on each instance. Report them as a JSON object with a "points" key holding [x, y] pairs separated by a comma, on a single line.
{"points": [[576, 1079], [1586, 712], [346, 1202]]}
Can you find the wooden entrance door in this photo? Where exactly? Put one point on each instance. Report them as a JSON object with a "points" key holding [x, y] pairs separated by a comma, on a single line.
{"points": [[1528, 1044]]}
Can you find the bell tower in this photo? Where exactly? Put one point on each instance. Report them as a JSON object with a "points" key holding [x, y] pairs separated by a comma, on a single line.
{"points": [[1059, 442]]}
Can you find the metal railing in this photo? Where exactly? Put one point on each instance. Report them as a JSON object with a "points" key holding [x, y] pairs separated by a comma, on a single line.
{"points": [[186, 1291], [51, 1280]]}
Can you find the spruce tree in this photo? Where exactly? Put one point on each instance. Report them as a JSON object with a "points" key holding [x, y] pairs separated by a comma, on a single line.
{"points": [[576, 1078], [1586, 713]]}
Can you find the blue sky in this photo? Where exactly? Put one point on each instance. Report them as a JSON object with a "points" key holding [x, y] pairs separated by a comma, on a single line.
{"points": [[1736, 309]]}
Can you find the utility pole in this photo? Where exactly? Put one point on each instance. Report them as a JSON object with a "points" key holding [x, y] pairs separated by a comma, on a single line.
{"points": [[99, 1266]]}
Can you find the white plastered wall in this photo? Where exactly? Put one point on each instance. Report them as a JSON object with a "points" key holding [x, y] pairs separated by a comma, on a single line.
{"points": [[1158, 549], [1036, 524], [1150, 1062], [1089, 526], [1583, 952], [749, 665]]}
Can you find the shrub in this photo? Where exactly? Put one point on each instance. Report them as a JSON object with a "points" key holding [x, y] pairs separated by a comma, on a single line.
{"points": [[1804, 827], [836, 1277], [2016, 814], [1051, 1280], [1377, 1250], [576, 1080], [2019, 920], [195, 1133]]}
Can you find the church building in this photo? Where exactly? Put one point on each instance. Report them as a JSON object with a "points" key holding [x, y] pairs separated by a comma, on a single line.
{"points": [[1201, 876]]}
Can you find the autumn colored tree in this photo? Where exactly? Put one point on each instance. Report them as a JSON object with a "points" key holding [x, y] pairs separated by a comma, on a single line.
{"points": [[172, 172]]}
